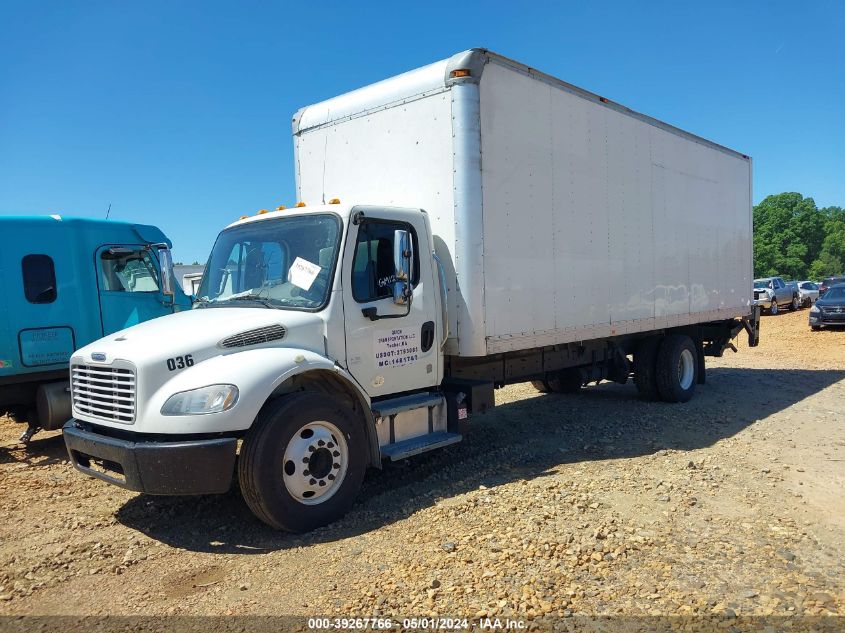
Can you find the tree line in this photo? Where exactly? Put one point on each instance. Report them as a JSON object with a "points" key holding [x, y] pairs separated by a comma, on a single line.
{"points": [[795, 239]]}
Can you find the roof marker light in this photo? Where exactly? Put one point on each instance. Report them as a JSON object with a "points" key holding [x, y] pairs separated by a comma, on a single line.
{"points": [[460, 72], [243, 217], [281, 207], [334, 201], [300, 204], [262, 212]]}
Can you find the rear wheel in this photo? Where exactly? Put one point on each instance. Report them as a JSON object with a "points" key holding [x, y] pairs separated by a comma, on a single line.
{"points": [[302, 462], [815, 328], [645, 368], [677, 368]]}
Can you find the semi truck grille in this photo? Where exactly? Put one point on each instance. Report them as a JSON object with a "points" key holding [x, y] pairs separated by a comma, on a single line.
{"points": [[255, 337], [105, 393]]}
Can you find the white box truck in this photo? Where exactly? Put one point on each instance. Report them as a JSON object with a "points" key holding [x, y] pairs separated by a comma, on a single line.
{"points": [[497, 225]]}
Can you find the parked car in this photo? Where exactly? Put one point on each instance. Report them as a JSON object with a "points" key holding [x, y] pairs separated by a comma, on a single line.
{"points": [[829, 309], [830, 281], [808, 292], [772, 293]]}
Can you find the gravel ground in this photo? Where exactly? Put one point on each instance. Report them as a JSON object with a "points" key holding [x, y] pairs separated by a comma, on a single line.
{"points": [[595, 503]]}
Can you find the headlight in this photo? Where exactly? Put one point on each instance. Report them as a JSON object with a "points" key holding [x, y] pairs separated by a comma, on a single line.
{"points": [[814, 309], [210, 399]]}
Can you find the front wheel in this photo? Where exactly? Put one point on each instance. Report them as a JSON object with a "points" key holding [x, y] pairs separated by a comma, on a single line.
{"points": [[677, 368], [815, 328], [774, 309], [795, 304], [302, 462]]}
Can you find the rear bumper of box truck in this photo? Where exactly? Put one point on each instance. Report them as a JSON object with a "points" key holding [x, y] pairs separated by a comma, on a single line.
{"points": [[178, 467]]}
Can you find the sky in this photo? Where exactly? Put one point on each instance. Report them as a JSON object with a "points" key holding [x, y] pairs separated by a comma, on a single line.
{"points": [[178, 113]]}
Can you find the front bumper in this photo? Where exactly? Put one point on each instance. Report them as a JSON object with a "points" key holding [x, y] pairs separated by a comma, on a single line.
{"points": [[820, 318], [187, 467], [763, 302]]}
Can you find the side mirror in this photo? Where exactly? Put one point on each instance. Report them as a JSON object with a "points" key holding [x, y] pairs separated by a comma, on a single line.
{"points": [[165, 264], [403, 263]]}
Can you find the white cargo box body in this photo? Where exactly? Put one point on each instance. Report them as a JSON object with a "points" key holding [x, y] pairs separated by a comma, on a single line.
{"points": [[559, 216]]}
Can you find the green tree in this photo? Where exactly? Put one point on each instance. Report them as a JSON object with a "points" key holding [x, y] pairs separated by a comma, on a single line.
{"points": [[795, 239]]}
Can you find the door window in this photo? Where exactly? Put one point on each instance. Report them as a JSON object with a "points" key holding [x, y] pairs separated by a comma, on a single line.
{"points": [[39, 278], [373, 272], [128, 270]]}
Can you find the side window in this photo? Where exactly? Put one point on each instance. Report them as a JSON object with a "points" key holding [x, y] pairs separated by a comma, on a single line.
{"points": [[128, 270], [39, 278], [373, 272]]}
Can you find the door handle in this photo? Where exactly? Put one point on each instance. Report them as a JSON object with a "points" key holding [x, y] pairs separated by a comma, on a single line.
{"points": [[427, 336]]}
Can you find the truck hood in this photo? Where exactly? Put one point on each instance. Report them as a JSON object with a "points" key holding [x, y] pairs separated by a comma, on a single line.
{"points": [[199, 332]]}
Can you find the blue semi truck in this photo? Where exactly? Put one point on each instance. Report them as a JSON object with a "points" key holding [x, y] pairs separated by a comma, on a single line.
{"points": [[65, 282]]}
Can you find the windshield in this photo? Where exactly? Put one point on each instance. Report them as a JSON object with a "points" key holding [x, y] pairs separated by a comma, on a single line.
{"points": [[762, 284], [836, 294], [280, 263]]}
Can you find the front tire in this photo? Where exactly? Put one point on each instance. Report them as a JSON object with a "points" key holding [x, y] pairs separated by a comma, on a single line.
{"points": [[677, 368], [773, 310], [302, 462], [795, 304]]}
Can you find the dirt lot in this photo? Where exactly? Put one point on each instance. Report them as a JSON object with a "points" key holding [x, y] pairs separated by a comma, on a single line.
{"points": [[595, 503]]}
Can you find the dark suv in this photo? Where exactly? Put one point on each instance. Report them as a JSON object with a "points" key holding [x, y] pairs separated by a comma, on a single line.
{"points": [[830, 281]]}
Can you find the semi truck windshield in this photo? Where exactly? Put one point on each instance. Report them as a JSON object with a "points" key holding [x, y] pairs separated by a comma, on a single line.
{"points": [[282, 262]]}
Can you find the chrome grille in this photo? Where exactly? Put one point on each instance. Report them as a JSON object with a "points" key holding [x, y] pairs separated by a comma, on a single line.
{"points": [[255, 337], [105, 393]]}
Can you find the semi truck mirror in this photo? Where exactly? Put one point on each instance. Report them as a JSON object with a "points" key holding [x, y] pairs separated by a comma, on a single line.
{"points": [[403, 258], [165, 262]]}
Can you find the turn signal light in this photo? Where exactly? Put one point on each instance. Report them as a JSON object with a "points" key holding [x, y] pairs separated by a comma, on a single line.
{"points": [[460, 72], [300, 204], [334, 201]]}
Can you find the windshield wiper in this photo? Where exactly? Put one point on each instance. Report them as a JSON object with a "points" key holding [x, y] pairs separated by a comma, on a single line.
{"points": [[252, 297]]}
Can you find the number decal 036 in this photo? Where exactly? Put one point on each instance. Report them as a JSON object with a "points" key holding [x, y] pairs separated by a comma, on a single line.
{"points": [[180, 362]]}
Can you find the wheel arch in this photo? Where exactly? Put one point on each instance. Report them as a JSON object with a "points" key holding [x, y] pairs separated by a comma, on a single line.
{"points": [[331, 381]]}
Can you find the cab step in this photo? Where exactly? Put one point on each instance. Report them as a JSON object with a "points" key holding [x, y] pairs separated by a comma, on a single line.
{"points": [[394, 406], [421, 444]]}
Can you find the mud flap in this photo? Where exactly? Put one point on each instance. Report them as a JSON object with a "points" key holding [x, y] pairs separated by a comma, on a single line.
{"points": [[751, 323]]}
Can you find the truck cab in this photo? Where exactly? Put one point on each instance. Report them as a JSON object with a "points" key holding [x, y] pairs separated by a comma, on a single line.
{"points": [[323, 324], [67, 282]]}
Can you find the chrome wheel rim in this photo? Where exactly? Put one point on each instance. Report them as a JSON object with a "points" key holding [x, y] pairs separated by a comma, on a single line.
{"points": [[686, 369], [315, 462]]}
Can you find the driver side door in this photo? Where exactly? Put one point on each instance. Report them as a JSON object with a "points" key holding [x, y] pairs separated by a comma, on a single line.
{"points": [[129, 286], [397, 352]]}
